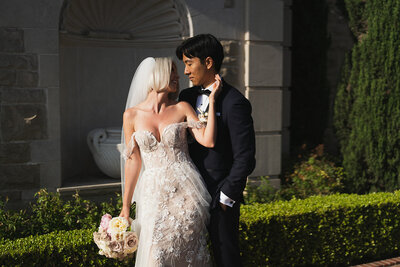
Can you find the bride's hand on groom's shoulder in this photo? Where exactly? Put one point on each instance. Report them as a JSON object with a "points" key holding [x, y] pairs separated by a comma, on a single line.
{"points": [[217, 87]]}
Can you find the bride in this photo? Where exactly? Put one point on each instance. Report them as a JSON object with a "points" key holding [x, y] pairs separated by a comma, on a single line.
{"points": [[157, 173]]}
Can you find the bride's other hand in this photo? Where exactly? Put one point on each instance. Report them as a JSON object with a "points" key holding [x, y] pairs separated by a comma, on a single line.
{"points": [[217, 87]]}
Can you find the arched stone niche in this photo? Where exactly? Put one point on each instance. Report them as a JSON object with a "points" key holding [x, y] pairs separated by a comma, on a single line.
{"points": [[148, 20], [101, 44]]}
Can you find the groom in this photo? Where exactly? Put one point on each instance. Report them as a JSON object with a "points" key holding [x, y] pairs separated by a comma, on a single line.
{"points": [[226, 166]]}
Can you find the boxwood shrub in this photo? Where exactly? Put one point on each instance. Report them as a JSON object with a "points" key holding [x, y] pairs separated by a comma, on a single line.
{"points": [[59, 248], [333, 230]]}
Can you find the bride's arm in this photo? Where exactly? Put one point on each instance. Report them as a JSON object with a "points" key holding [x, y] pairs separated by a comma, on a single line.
{"points": [[208, 135], [132, 165]]}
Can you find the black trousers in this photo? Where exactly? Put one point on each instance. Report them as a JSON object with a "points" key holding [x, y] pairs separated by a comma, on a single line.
{"points": [[224, 234]]}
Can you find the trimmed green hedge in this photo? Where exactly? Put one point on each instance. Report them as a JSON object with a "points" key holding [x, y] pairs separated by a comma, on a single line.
{"points": [[319, 231], [322, 230], [59, 248]]}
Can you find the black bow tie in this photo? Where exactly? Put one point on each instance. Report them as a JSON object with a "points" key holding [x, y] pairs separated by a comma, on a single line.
{"points": [[204, 92]]}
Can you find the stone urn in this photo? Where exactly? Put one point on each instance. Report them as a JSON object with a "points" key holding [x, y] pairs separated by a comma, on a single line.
{"points": [[104, 143]]}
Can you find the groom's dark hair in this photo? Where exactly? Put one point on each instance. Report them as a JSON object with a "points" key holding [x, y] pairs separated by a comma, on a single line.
{"points": [[202, 46]]}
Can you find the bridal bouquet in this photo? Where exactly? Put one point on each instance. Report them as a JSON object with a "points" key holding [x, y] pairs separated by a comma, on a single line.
{"points": [[115, 239]]}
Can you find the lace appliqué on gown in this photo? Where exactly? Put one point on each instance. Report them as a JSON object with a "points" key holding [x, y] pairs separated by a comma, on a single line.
{"points": [[172, 208]]}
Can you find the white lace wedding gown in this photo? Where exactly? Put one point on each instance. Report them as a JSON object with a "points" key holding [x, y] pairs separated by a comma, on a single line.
{"points": [[171, 201]]}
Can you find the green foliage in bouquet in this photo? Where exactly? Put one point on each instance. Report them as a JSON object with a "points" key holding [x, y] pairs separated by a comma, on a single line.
{"points": [[50, 213], [335, 230], [367, 105]]}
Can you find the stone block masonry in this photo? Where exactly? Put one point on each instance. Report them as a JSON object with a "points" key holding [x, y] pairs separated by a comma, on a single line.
{"points": [[231, 68], [267, 45], [23, 115], [11, 40]]}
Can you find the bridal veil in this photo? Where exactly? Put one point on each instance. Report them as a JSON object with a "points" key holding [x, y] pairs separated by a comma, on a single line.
{"points": [[137, 93]]}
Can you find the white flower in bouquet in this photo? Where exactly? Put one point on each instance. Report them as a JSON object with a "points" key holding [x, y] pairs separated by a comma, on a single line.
{"points": [[117, 227]]}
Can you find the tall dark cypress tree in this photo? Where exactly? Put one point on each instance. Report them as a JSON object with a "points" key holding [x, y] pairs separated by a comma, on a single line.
{"points": [[367, 106]]}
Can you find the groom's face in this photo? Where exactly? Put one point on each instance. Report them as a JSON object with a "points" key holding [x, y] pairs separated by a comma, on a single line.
{"points": [[196, 71]]}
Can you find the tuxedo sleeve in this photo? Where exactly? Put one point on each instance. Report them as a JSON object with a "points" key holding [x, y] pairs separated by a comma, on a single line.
{"points": [[183, 96], [241, 131]]}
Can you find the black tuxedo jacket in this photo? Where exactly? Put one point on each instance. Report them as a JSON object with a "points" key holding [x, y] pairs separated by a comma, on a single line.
{"points": [[226, 166]]}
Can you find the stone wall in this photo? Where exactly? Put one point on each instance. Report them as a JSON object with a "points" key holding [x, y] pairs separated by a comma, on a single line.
{"points": [[29, 115], [23, 115], [231, 68], [267, 81], [256, 35]]}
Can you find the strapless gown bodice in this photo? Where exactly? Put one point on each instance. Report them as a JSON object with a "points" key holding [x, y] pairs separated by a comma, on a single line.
{"points": [[171, 149], [172, 202]]}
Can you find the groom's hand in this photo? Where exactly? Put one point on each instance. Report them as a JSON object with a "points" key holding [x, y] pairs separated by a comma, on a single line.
{"points": [[223, 206]]}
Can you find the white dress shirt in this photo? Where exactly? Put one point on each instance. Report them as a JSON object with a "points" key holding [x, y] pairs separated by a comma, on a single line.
{"points": [[202, 104]]}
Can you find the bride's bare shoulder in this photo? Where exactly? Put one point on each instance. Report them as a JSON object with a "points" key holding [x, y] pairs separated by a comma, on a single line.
{"points": [[183, 105], [130, 114]]}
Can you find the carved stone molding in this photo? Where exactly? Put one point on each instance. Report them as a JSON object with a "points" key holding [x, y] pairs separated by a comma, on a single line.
{"points": [[133, 20]]}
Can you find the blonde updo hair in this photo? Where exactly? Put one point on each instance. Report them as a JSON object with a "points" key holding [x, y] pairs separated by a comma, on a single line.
{"points": [[160, 78]]}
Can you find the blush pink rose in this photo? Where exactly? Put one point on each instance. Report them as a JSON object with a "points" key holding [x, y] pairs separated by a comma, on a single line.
{"points": [[117, 246], [105, 220]]}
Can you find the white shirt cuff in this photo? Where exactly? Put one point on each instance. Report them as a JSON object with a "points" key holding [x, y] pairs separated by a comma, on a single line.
{"points": [[224, 199]]}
